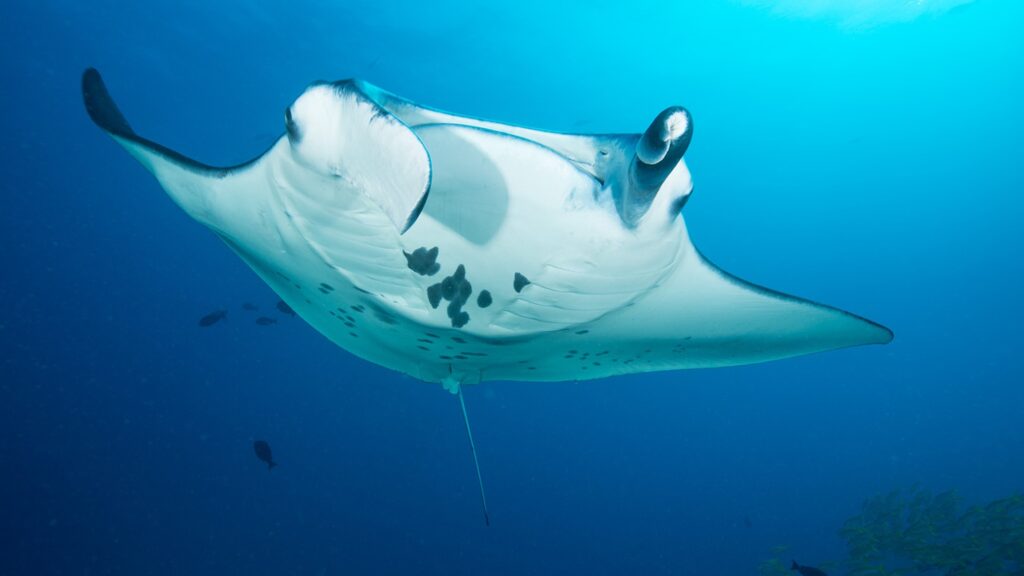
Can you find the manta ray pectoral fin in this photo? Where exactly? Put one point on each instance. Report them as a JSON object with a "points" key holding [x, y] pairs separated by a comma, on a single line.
{"points": [[703, 317], [192, 185], [658, 151]]}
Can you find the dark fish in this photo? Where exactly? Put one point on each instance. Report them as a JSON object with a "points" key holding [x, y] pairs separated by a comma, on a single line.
{"points": [[803, 570], [264, 321], [285, 308], [747, 522], [263, 453], [250, 307], [212, 318]]}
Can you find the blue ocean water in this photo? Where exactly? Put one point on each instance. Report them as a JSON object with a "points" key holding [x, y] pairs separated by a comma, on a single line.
{"points": [[864, 156]]}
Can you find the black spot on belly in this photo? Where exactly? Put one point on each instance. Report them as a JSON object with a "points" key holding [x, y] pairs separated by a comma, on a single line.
{"points": [[519, 282], [383, 315], [434, 295], [423, 261], [324, 286], [459, 319], [456, 290], [581, 332], [484, 299]]}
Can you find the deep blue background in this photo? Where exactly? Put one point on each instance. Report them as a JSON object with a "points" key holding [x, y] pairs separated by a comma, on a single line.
{"points": [[876, 168]]}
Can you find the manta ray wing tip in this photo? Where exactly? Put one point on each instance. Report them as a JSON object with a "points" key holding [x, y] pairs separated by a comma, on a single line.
{"points": [[862, 331], [100, 106], [885, 334]]}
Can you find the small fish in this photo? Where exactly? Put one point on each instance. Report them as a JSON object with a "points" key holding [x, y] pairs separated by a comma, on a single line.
{"points": [[264, 321], [803, 570], [285, 308], [263, 453], [248, 306], [212, 318], [747, 522]]}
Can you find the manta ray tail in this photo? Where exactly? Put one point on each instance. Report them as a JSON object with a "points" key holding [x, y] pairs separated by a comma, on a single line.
{"points": [[476, 461]]}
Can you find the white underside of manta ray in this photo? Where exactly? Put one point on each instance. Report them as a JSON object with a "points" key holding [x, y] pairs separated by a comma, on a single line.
{"points": [[458, 250]]}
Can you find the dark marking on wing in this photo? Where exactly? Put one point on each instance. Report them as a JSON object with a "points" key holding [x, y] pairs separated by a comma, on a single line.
{"points": [[519, 282], [383, 315], [455, 289], [423, 261], [434, 295], [484, 299]]}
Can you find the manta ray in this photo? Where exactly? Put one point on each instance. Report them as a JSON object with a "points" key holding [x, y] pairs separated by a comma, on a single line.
{"points": [[459, 250]]}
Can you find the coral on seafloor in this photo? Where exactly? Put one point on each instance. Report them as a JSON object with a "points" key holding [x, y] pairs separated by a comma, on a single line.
{"points": [[915, 532]]}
